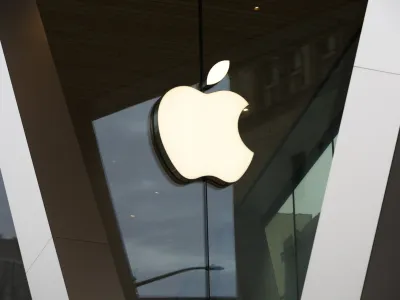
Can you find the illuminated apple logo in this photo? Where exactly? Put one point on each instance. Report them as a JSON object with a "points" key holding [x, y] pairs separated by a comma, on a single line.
{"points": [[196, 135]]}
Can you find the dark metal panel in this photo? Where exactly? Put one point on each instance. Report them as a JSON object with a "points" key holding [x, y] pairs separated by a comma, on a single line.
{"points": [[382, 280]]}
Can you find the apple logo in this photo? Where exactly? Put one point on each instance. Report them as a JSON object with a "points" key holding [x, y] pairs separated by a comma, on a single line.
{"points": [[196, 135]]}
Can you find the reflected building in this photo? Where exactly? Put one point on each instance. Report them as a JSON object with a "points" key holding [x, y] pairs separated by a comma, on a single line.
{"points": [[280, 237], [280, 86]]}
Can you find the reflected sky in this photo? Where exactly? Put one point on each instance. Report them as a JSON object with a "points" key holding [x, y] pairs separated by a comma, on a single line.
{"points": [[162, 223]]}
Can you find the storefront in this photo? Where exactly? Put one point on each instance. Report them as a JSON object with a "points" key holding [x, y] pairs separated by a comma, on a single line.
{"points": [[111, 221]]}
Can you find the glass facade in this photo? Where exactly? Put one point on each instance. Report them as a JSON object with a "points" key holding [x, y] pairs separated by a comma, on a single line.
{"points": [[161, 223], [168, 228], [13, 282], [290, 232], [290, 60]]}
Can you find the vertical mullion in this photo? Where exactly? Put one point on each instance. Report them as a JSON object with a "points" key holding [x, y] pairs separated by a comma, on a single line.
{"points": [[295, 246], [205, 196], [206, 241]]}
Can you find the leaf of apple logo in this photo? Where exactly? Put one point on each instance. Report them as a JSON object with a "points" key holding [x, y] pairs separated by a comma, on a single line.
{"points": [[218, 72], [196, 135]]}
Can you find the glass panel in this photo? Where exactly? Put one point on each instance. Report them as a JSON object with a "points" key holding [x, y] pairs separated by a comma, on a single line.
{"points": [[222, 242], [147, 48], [282, 252], [13, 282], [221, 231], [282, 53], [161, 223], [278, 60], [309, 196], [293, 67]]}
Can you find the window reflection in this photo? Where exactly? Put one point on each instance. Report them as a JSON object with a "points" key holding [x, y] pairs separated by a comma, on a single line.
{"points": [[280, 238], [286, 67], [222, 241], [161, 223], [290, 232], [309, 196], [13, 282]]}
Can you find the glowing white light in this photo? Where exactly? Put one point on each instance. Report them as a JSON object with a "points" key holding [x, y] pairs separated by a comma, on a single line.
{"points": [[200, 133], [218, 72]]}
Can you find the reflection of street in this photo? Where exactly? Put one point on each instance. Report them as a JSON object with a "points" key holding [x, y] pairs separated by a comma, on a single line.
{"points": [[13, 283]]}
